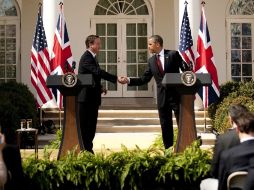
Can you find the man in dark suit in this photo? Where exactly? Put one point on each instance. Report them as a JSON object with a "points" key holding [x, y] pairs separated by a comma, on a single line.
{"points": [[224, 142], [168, 99], [238, 158], [89, 98], [229, 139]]}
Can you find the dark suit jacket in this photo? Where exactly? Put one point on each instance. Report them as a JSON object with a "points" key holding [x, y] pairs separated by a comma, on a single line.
{"points": [[235, 159], [89, 65], [249, 185], [223, 142], [12, 160], [173, 62]]}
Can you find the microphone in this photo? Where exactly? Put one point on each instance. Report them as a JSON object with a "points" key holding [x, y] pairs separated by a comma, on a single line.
{"points": [[66, 66], [73, 67]]}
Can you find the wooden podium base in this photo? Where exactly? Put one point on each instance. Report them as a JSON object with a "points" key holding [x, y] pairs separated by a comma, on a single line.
{"points": [[70, 138], [187, 132]]}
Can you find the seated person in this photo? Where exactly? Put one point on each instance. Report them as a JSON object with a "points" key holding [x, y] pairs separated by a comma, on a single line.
{"points": [[223, 142], [238, 157], [11, 172]]}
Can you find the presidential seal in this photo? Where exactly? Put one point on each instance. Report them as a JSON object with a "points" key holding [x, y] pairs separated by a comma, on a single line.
{"points": [[69, 79], [188, 78]]}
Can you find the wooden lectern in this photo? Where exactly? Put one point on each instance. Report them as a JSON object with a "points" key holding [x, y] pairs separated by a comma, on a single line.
{"points": [[71, 137], [187, 84]]}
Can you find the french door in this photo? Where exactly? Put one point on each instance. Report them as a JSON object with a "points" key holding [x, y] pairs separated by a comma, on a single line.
{"points": [[240, 59], [124, 53]]}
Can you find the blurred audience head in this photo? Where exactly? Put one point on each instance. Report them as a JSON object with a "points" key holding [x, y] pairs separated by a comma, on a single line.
{"points": [[234, 111], [245, 123]]}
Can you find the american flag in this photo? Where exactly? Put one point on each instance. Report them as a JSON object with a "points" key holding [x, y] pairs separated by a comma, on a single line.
{"points": [[40, 67], [61, 55], [186, 42], [205, 63]]}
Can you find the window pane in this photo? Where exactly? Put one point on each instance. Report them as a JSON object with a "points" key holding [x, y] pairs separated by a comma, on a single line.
{"points": [[2, 30], [142, 10], [10, 30], [235, 56], [10, 44], [2, 72], [247, 79], [246, 29], [142, 29], [138, 3], [246, 43], [102, 57], [7, 8], [247, 57], [131, 57], [100, 11], [101, 29], [247, 70], [112, 57], [236, 79], [142, 57], [103, 43], [131, 29], [131, 72], [11, 71], [142, 43], [2, 58], [113, 70], [131, 42], [112, 43], [235, 43], [236, 70], [235, 29], [104, 3], [2, 44], [11, 58], [141, 69], [112, 31]]}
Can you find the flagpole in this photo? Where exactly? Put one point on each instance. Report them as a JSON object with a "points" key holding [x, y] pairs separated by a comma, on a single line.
{"points": [[205, 119], [60, 122]]}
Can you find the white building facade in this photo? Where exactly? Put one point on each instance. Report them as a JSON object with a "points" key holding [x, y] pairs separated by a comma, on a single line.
{"points": [[124, 26]]}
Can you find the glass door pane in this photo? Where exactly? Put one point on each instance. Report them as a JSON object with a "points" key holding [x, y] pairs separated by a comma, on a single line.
{"points": [[241, 50], [108, 54]]}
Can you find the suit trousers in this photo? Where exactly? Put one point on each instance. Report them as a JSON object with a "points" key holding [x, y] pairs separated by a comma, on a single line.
{"points": [[88, 114], [166, 121]]}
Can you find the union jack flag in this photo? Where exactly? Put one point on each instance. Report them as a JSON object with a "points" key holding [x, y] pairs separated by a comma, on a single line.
{"points": [[40, 67], [205, 63], [186, 41], [61, 55]]}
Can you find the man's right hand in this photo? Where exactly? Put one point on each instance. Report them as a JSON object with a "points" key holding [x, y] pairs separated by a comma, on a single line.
{"points": [[123, 80]]}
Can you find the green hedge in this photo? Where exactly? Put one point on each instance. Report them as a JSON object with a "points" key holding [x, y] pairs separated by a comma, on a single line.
{"points": [[128, 170], [231, 93], [16, 103]]}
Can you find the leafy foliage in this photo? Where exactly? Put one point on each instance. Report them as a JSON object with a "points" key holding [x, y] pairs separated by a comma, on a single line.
{"points": [[221, 122], [126, 170], [16, 103], [225, 90]]}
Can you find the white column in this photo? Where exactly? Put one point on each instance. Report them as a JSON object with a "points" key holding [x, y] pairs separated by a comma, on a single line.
{"points": [[194, 12], [50, 12]]}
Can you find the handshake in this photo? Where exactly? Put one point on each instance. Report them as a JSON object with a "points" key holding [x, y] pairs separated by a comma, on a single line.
{"points": [[123, 80]]}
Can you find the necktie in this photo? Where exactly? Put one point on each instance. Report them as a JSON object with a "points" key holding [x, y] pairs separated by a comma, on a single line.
{"points": [[158, 62]]}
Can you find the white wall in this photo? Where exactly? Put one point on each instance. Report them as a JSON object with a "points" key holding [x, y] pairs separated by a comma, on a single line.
{"points": [[28, 18]]}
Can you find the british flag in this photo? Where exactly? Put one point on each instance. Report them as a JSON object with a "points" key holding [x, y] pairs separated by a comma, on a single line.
{"points": [[40, 67], [61, 58], [205, 63], [186, 41]]}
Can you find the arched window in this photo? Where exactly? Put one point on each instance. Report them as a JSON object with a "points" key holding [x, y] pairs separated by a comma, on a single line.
{"points": [[240, 26], [242, 7], [9, 41], [115, 7]]}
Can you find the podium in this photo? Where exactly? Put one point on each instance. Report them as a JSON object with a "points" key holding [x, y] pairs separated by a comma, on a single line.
{"points": [[70, 85], [187, 84]]}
